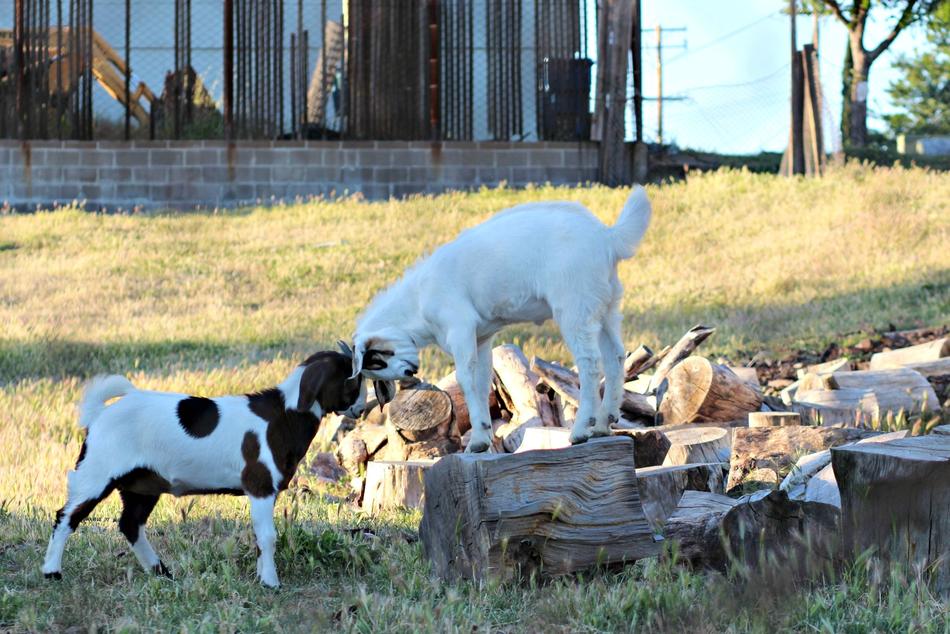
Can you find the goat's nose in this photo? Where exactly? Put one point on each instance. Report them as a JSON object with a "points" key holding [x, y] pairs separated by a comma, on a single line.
{"points": [[410, 372]]}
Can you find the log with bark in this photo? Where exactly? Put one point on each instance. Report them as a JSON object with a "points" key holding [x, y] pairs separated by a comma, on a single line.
{"points": [[692, 531], [394, 484], [639, 361], [538, 512], [681, 350], [902, 357], [895, 498], [700, 391], [516, 385], [763, 456], [398, 447], [650, 446], [567, 385], [419, 411], [449, 384], [749, 375], [698, 445], [662, 487], [774, 419]]}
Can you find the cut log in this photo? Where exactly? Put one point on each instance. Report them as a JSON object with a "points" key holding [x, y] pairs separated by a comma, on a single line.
{"points": [[763, 456], [930, 351], [650, 446], [545, 438], [512, 433], [537, 512], [748, 375], [780, 536], [567, 385], [682, 349], [698, 445], [830, 407], [700, 391], [662, 487], [449, 384], [828, 367], [419, 410], [774, 419], [788, 393], [352, 454], [932, 370], [692, 531], [399, 448], [390, 485], [941, 430], [895, 498], [895, 389], [518, 387], [638, 362], [331, 430]]}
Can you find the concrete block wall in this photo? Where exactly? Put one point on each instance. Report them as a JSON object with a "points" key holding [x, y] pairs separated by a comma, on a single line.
{"points": [[202, 174]]}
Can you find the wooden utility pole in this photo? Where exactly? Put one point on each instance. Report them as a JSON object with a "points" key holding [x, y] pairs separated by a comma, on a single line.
{"points": [[797, 163], [228, 97], [659, 84], [636, 50], [617, 21]]}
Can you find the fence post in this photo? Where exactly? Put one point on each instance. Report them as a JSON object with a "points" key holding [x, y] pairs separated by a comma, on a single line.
{"points": [[617, 21]]}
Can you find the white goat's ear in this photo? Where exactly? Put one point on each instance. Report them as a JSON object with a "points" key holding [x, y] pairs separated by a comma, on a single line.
{"points": [[345, 349], [385, 391], [357, 362]]}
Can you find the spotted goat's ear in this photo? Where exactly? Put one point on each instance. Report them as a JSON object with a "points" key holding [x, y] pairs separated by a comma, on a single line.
{"points": [[345, 348], [385, 392], [357, 356]]}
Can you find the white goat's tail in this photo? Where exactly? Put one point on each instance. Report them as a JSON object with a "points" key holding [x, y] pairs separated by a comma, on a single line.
{"points": [[99, 390], [627, 232]]}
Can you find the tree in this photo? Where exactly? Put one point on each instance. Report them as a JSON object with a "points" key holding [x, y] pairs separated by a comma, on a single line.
{"points": [[854, 16], [923, 92]]}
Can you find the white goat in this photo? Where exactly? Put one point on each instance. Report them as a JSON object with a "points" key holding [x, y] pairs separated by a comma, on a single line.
{"points": [[528, 263], [150, 443]]}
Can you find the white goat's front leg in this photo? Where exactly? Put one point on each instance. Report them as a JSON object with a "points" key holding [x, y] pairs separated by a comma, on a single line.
{"points": [[581, 339], [262, 516], [612, 357], [471, 376]]}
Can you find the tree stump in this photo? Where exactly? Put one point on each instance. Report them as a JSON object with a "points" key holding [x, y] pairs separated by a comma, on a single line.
{"points": [[662, 487], [418, 411], [700, 391], [698, 445], [692, 531], [537, 512], [895, 498], [390, 485]]}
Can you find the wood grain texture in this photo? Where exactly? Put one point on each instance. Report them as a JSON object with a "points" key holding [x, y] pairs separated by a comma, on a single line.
{"points": [[930, 351], [895, 498], [693, 529], [390, 485], [700, 391], [680, 350], [774, 419], [662, 487], [699, 445], [419, 409], [538, 512]]}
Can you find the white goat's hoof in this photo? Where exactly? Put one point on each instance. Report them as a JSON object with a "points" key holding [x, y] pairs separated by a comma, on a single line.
{"points": [[597, 432], [579, 436], [478, 445], [270, 581]]}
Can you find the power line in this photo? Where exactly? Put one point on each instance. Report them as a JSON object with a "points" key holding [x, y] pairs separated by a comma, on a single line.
{"points": [[723, 38]]}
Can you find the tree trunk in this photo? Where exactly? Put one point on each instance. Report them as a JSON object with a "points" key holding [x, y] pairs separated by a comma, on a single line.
{"points": [[860, 69], [391, 485], [539, 512]]}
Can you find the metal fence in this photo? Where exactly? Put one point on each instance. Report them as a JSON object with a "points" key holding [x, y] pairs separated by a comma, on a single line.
{"points": [[286, 69]]}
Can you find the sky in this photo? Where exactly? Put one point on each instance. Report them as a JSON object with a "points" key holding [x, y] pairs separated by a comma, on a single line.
{"points": [[735, 76]]}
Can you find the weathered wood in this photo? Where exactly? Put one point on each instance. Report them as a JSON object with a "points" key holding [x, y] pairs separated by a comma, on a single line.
{"points": [[682, 349], [749, 375], [894, 388], [698, 445], [567, 385], [548, 512], [545, 438], [662, 487], [449, 384], [830, 407], [693, 529], [895, 498], [390, 485], [931, 370], [941, 430], [638, 362], [774, 419], [418, 411], [763, 456], [352, 454], [930, 351], [700, 391], [650, 446], [517, 387], [399, 448], [828, 367]]}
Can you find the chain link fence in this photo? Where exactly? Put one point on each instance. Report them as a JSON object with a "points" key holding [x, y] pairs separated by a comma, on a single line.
{"points": [[297, 69]]}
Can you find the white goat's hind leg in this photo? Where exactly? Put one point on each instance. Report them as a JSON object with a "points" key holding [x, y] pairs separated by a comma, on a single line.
{"points": [[262, 517], [612, 356], [86, 490], [471, 375], [581, 339]]}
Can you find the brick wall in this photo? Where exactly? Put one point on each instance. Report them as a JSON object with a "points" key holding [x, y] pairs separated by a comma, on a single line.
{"points": [[189, 174]]}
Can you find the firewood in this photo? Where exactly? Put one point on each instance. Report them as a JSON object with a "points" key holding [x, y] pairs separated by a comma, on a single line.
{"points": [[774, 419], [518, 387], [930, 351], [650, 446], [418, 411], [545, 438], [399, 448], [895, 498], [538, 512], [828, 367], [390, 485], [937, 369], [638, 362], [831, 407], [449, 384], [699, 391], [682, 349], [748, 375], [895, 388], [352, 454], [662, 487], [698, 445], [567, 385], [763, 456], [941, 430], [693, 529]]}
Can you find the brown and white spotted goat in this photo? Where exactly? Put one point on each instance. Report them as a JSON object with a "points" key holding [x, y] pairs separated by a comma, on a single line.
{"points": [[150, 443]]}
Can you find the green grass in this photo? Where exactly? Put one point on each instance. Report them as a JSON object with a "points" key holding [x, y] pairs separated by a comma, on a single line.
{"points": [[225, 303]]}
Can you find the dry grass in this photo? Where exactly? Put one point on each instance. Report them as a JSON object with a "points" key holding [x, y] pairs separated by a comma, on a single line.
{"points": [[223, 303]]}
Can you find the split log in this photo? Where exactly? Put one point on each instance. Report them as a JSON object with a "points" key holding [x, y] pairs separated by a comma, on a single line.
{"points": [[774, 419], [650, 446], [638, 362], [938, 369], [699, 391], [418, 411], [517, 387], [895, 498], [390, 485], [567, 385], [831, 407], [780, 536], [930, 351], [513, 432], [788, 393], [698, 445], [693, 529], [682, 349], [450, 385], [828, 367], [749, 375], [662, 487], [763, 456], [537, 512], [545, 438], [898, 388]]}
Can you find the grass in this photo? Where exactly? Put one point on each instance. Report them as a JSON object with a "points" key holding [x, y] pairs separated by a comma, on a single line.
{"points": [[227, 302]]}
